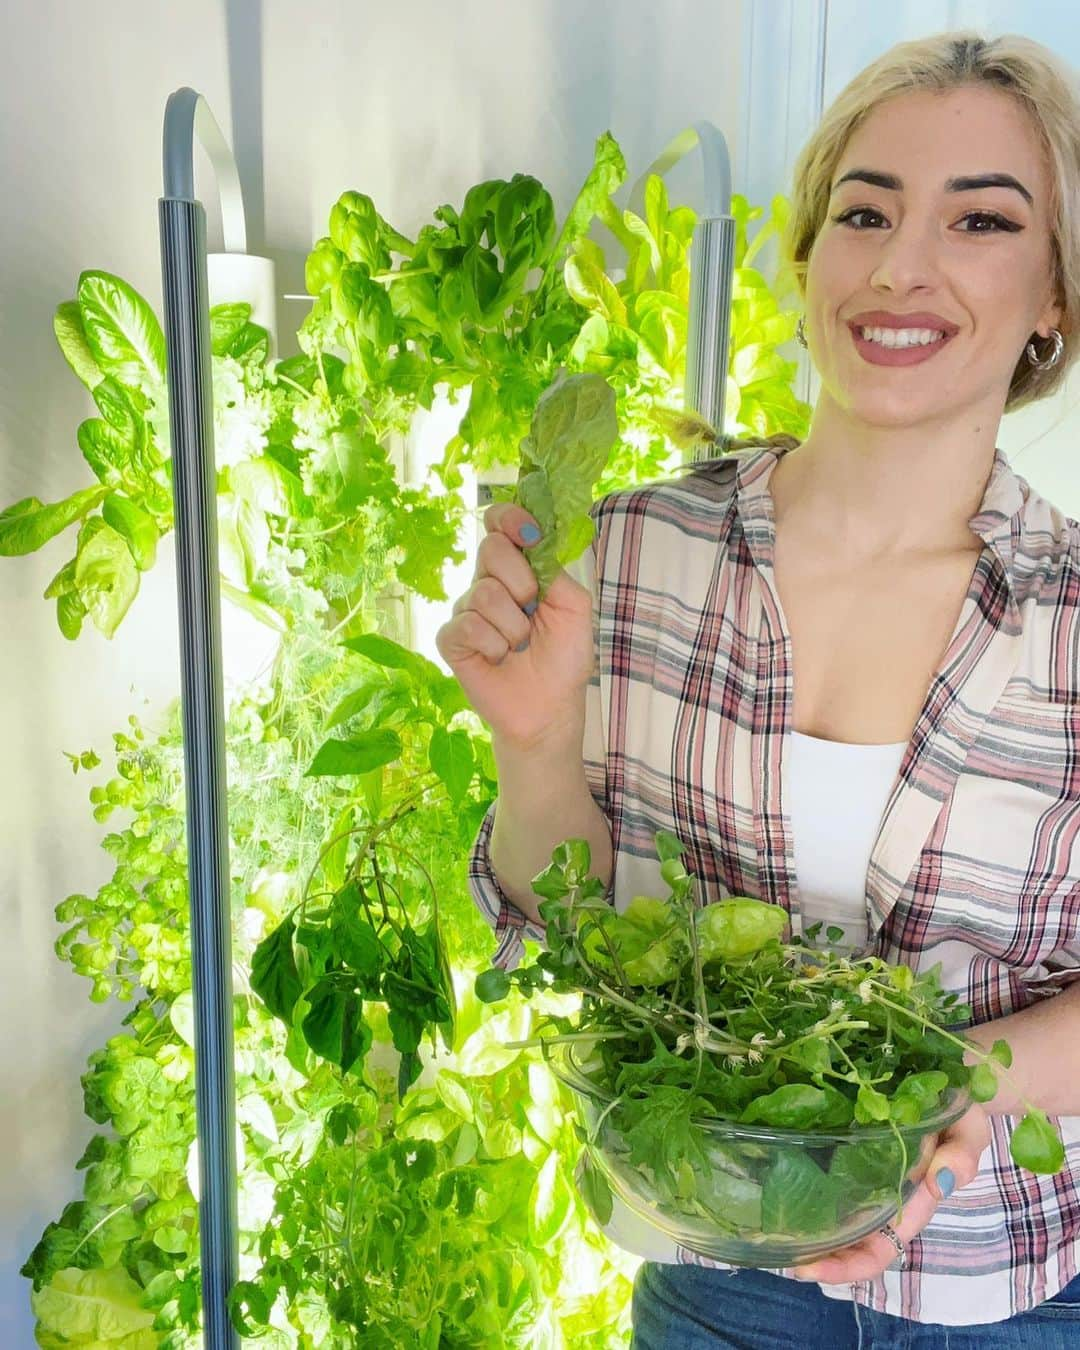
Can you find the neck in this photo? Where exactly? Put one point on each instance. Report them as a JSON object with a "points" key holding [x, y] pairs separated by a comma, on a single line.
{"points": [[877, 493]]}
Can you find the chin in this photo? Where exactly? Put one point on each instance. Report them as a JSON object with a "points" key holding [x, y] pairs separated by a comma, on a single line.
{"points": [[895, 412]]}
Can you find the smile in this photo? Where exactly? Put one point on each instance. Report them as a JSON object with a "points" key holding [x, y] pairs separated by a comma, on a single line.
{"points": [[898, 346]]}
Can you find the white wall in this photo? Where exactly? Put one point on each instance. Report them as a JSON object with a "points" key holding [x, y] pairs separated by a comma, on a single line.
{"points": [[412, 104]]}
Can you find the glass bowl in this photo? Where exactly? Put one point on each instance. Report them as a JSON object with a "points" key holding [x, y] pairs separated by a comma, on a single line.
{"points": [[765, 1197]]}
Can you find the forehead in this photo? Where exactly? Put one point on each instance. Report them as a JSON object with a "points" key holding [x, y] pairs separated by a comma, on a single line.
{"points": [[927, 135]]}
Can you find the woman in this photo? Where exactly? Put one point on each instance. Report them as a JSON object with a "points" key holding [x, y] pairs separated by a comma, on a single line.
{"points": [[845, 673]]}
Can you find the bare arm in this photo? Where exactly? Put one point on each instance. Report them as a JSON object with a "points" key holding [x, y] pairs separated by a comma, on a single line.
{"points": [[544, 799], [1045, 1041]]}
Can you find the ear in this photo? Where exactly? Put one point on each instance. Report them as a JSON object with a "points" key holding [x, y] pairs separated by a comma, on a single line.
{"points": [[1051, 317]]}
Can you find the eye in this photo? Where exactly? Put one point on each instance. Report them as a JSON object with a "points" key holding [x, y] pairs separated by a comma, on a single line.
{"points": [[854, 211], [991, 219], [998, 222]]}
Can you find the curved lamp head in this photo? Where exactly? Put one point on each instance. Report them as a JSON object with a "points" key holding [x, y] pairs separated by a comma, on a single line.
{"points": [[234, 275]]}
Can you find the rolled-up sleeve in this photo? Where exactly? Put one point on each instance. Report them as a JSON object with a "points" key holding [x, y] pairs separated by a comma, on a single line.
{"points": [[510, 925]]}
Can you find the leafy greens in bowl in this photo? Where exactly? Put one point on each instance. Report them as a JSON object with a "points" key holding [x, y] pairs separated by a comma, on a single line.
{"points": [[748, 1194], [762, 1101]]}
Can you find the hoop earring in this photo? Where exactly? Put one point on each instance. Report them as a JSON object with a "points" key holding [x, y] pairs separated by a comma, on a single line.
{"points": [[800, 330], [1048, 362]]}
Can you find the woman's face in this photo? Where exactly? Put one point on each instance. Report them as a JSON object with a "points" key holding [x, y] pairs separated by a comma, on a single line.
{"points": [[934, 253]]}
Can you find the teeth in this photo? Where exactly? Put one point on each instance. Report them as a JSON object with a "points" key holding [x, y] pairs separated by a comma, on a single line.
{"points": [[902, 337]]}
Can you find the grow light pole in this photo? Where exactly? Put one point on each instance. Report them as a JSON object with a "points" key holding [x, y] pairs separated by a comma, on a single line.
{"points": [[182, 226], [712, 274]]}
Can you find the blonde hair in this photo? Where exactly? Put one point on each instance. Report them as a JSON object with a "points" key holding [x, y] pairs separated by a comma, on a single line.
{"points": [[1040, 82]]}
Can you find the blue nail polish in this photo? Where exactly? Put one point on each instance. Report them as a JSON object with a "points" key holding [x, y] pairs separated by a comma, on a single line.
{"points": [[946, 1182], [522, 645], [530, 534], [530, 608]]}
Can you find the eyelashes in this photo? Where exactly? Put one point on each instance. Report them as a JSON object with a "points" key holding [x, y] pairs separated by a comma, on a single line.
{"points": [[1001, 223]]}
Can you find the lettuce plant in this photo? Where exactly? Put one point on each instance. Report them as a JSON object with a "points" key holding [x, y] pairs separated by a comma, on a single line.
{"points": [[404, 1177]]}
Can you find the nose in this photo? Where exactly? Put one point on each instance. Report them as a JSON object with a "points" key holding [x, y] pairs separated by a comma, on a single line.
{"points": [[908, 259]]}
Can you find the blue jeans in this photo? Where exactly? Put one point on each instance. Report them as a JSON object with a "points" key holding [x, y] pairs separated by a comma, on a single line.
{"points": [[685, 1307]]}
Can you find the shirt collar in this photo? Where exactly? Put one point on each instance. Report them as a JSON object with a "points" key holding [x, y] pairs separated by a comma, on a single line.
{"points": [[998, 521]]}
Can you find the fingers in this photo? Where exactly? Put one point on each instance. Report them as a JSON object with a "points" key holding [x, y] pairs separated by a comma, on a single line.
{"points": [[511, 520], [956, 1160], [955, 1163], [498, 557], [487, 620], [492, 618]]}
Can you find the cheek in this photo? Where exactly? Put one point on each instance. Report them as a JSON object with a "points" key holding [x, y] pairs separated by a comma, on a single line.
{"points": [[834, 277]]}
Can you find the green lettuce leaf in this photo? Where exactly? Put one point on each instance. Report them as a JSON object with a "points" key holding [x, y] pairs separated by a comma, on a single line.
{"points": [[573, 429], [94, 1310]]}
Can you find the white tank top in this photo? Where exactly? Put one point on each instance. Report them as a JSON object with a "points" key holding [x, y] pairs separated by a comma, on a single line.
{"points": [[835, 797]]}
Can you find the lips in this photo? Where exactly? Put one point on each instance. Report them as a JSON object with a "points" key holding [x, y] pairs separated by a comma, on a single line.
{"points": [[880, 318]]}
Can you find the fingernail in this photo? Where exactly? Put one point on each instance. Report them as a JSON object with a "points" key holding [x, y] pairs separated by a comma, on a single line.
{"points": [[529, 534], [946, 1182], [530, 608], [521, 646]]}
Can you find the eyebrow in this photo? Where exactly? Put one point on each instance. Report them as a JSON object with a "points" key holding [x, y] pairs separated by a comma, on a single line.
{"points": [[982, 180]]}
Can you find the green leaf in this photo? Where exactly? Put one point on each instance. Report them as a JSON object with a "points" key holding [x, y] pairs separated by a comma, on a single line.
{"points": [[335, 1027], [182, 1017], [595, 1190], [226, 323], [106, 450], [797, 1197], [94, 1308], [29, 523], [924, 1089], [362, 753], [105, 575], [573, 428], [355, 701], [355, 943], [249, 1308], [270, 487], [798, 1106], [648, 938], [1036, 1144], [70, 612], [663, 1137], [604, 178], [455, 1095], [254, 535], [117, 405], [259, 609], [136, 527], [71, 336], [735, 928], [492, 985], [592, 288], [870, 1105], [274, 976], [385, 652], [867, 1165], [1001, 1052], [452, 759], [983, 1083], [336, 852], [122, 332], [550, 1202]]}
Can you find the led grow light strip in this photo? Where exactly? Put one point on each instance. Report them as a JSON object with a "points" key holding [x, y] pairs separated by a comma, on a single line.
{"points": [[712, 272], [182, 227]]}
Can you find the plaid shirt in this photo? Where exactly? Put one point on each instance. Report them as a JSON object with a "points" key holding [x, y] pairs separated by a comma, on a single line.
{"points": [[976, 864]]}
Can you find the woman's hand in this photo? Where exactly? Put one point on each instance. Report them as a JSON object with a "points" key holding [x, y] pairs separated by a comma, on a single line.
{"points": [[523, 664], [959, 1149]]}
